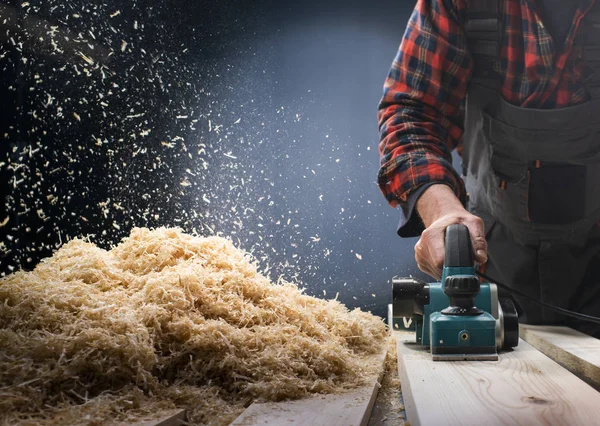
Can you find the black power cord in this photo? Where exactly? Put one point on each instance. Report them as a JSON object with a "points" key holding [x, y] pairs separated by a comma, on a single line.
{"points": [[561, 311]]}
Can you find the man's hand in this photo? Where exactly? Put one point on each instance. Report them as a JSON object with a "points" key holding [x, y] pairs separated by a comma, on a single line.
{"points": [[439, 208]]}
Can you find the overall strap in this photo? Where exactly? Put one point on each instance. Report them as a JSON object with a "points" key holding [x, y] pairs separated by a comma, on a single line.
{"points": [[484, 30], [588, 38]]}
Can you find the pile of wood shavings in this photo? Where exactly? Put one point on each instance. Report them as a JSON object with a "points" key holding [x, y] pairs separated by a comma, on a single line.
{"points": [[167, 320]]}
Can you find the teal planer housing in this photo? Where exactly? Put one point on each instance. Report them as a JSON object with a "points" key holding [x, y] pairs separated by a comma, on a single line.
{"points": [[452, 334]]}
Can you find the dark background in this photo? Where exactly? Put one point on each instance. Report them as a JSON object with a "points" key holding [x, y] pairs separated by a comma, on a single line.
{"points": [[254, 120]]}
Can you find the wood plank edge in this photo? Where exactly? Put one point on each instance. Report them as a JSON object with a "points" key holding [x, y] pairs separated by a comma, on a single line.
{"points": [[175, 418], [583, 369], [412, 414], [374, 392], [246, 418]]}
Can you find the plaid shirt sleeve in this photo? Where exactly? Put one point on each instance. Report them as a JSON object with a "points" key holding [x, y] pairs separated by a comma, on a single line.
{"points": [[420, 114]]}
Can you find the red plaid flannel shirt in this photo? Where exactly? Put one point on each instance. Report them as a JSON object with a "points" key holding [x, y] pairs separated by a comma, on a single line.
{"points": [[421, 114]]}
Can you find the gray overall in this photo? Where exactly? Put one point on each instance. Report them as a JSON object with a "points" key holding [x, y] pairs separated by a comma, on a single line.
{"points": [[533, 176]]}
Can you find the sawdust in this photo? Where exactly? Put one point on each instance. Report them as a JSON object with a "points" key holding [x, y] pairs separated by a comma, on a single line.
{"points": [[167, 320]]}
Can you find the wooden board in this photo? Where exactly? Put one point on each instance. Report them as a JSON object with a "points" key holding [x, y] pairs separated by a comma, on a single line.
{"points": [[577, 352], [524, 387], [349, 409], [167, 418]]}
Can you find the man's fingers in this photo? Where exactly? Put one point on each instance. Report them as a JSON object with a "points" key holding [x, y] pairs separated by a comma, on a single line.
{"points": [[429, 252], [477, 231], [420, 257], [437, 253]]}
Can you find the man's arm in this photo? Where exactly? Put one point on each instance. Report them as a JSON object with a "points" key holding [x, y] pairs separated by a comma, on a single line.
{"points": [[421, 122], [420, 118]]}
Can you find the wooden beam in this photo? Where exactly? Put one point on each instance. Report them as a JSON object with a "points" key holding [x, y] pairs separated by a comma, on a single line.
{"points": [[351, 408], [577, 352], [524, 387], [164, 418]]}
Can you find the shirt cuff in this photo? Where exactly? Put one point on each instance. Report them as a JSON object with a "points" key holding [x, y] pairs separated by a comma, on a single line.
{"points": [[411, 224]]}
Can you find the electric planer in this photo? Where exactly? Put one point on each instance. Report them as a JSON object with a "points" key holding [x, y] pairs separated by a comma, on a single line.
{"points": [[458, 318]]}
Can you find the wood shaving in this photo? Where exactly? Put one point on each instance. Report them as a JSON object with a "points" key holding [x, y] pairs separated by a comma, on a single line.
{"points": [[168, 320]]}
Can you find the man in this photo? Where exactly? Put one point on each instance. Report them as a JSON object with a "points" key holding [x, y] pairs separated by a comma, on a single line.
{"points": [[515, 86]]}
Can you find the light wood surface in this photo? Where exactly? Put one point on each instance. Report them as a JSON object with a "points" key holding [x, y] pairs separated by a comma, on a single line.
{"points": [[524, 387], [348, 409], [577, 352], [166, 418]]}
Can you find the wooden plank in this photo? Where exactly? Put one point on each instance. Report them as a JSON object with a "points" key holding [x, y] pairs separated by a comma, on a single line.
{"points": [[524, 387], [577, 352], [351, 408], [165, 418]]}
